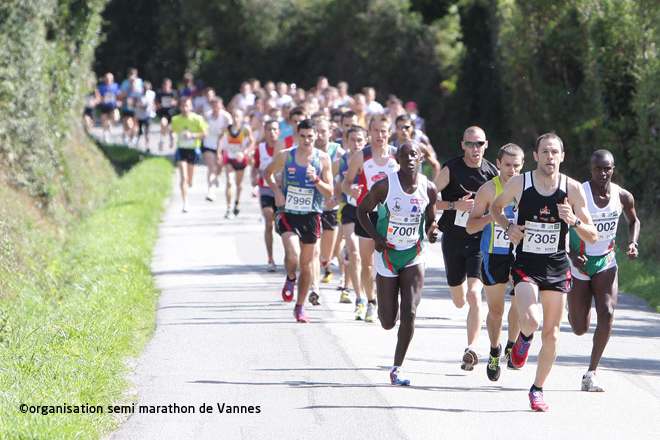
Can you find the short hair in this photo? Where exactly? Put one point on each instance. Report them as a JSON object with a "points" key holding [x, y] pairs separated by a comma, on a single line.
{"points": [[602, 154], [167, 80], [411, 142], [348, 114], [548, 136], [511, 150], [358, 129], [403, 117], [297, 111], [305, 124], [472, 130], [271, 122], [382, 117]]}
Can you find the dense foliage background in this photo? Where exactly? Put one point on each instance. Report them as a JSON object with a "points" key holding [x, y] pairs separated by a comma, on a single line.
{"points": [[585, 69]]}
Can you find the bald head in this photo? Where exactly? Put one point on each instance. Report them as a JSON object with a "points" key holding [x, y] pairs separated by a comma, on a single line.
{"points": [[474, 130]]}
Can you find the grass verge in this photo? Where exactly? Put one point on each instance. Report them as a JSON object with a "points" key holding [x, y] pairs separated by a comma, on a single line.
{"points": [[65, 336], [639, 278]]}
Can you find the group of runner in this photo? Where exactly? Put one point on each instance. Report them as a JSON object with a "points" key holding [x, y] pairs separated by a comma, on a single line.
{"points": [[341, 177]]}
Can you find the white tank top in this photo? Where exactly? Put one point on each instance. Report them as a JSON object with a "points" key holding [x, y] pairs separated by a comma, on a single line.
{"points": [[216, 127], [401, 217], [606, 220]]}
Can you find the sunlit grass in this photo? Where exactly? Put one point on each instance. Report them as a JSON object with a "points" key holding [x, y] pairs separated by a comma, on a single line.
{"points": [[65, 337]]}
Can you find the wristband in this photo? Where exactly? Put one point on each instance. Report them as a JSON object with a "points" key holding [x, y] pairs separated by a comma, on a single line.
{"points": [[508, 226], [317, 180], [451, 205], [634, 243]]}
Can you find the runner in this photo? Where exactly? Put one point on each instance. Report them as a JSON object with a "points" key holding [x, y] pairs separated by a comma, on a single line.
{"points": [[548, 203], [594, 268], [166, 104], [263, 156], [405, 131], [371, 164], [106, 98], [406, 202], [458, 182], [218, 119], [497, 258], [307, 177], [356, 138], [237, 141], [189, 130]]}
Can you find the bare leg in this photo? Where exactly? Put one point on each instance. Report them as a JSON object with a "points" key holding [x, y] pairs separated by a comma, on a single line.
{"points": [[367, 248]]}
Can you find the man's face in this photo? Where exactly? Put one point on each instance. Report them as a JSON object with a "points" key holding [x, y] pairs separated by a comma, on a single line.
{"points": [[509, 166], [347, 123], [322, 133], [186, 107], [549, 155], [602, 169], [356, 141], [272, 132], [404, 131], [237, 115], [474, 144], [409, 157], [306, 137], [380, 133]]}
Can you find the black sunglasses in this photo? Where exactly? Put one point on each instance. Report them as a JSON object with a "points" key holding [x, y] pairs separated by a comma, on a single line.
{"points": [[472, 144]]}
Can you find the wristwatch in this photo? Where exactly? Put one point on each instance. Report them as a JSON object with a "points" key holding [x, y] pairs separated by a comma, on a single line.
{"points": [[578, 222], [508, 226], [451, 205]]}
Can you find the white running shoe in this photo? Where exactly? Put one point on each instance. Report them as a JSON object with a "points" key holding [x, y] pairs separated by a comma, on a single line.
{"points": [[589, 382]]}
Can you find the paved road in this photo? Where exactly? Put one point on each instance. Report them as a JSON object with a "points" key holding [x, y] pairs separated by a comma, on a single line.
{"points": [[224, 336]]}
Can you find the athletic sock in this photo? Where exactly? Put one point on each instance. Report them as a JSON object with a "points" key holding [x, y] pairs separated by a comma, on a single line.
{"points": [[535, 388], [324, 264], [292, 280], [495, 352], [526, 338], [509, 344], [372, 301]]}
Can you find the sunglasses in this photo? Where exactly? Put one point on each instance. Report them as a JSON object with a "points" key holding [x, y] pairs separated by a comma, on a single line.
{"points": [[403, 127], [474, 144]]}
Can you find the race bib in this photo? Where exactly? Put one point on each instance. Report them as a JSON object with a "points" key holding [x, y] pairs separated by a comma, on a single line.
{"points": [[501, 238], [403, 232], [541, 238], [299, 199], [606, 226], [166, 101], [233, 150], [109, 97], [461, 218]]}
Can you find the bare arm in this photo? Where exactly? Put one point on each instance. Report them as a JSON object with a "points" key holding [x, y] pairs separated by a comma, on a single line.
{"points": [[431, 211], [324, 185], [634, 225], [276, 166], [478, 217], [512, 191], [354, 167], [574, 208], [377, 194]]}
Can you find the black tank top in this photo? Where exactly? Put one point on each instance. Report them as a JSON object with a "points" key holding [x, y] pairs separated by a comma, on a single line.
{"points": [[544, 245], [462, 181]]}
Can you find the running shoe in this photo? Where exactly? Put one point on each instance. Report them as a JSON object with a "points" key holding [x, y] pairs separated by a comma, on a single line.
{"points": [[287, 291], [237, 208], [300, 313], [210, 196], [314, 298], [509, 362], [342, 283], [371, 313], [470, 359], [395, 378], [361, 310], [185, 208], [328, 276], [520, 351], [589, 382], [493, 369], [229, 215], [271, 266], [536, 401], [345, 297]]}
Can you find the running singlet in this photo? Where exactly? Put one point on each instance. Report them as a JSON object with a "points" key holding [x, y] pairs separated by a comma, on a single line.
{"points": [[216, 127], [401, 217], [544, 245], [109, 93], [233, 144], [606, 221], [301, 195], [372, 172], [333, 147], [494, 240], [263, 157], [463, 180], [343, 169], [193, 123]]}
